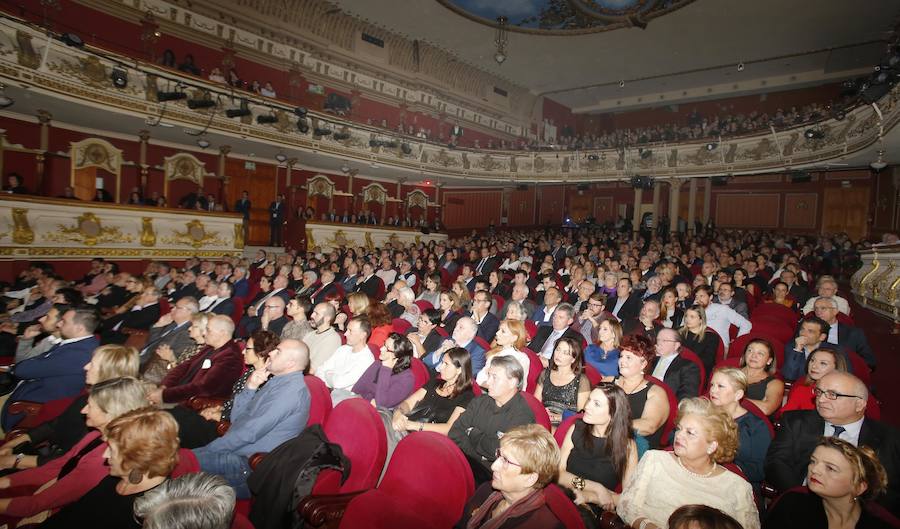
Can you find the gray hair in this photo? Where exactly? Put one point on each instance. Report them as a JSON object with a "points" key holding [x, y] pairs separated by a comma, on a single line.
{"points": [[512, 367], [567, 308], [407, 294], [830, 301], [191, 304], [191, 501]]}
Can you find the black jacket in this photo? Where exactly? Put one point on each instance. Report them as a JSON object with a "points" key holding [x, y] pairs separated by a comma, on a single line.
{"points": [[801, 430], [544, 332], [683, 376], [631, 308]]}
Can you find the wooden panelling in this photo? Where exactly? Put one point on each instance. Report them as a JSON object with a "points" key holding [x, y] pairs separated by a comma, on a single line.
{"points": [[885, 201], [603, 209], [472, 209], [521, 207], [552, 204], [801, 210], [735, 210], [846, 210], [580, 207], [260, 185]]}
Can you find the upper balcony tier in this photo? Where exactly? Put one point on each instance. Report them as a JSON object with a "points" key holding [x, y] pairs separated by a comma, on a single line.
{"points": [[76, 85]]}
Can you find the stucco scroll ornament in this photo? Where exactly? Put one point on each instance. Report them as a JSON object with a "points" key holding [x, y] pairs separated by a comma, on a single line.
{"points": [[340, 240], [88, 230], [195, 235], [148, 235], [488, 163], [27, 55], [88, 69], [374, 193], [444, 159], [22, 232]]}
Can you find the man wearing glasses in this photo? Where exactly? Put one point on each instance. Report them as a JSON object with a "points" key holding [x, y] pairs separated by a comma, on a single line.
{"points": [[481, 314], [840, 412]]}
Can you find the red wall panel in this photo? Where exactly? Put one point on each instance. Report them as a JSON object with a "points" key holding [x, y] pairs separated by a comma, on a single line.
{"points": [[471, 209]]}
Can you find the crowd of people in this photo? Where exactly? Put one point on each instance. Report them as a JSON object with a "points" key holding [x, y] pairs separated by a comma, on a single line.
{"points": [[642, 376]]}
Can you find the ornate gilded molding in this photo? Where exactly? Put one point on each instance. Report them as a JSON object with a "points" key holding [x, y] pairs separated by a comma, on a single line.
{"points": [[22, 233], [148, 235], [417, 199], [239, 236], [196, 235], [320, 185], [96, 152], [184, 166], [374, 193], [88, 230]]}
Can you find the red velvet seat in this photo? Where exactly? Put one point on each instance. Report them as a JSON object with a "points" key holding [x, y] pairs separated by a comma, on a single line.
{"points": [[563, 428], [690, 356], [400, 325], [535, 367], [562, 507], [357, 428], [860, 368], [530, 329], [498, 301], [36, 413], [537, 407], [669, 426], [420, 373], [442, 332], [483, 343], [320, 405], [238, 311], [593, 375], [774, 309], [164, 306], [424, 305], [407, 497], [777, 329]]}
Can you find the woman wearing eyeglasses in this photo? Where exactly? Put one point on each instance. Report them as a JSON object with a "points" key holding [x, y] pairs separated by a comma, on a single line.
{"points": [[389, 382], [525, 464]]}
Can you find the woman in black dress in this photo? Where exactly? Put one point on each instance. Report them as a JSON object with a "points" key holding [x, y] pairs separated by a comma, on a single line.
{"points": [[436, 405], [696, 337]]}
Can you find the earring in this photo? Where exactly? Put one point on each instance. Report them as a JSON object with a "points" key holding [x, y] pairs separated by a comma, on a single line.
{"points": [[135, 476]]}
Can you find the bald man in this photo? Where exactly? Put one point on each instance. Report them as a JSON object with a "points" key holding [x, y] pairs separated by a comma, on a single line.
{"points": [[262, 417], [270, 317], [841, 400]]}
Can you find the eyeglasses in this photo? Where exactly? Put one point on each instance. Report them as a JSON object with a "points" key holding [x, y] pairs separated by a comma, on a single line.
{"points": [[273, 306], [504, 460], [830, 394], [596, 305]]}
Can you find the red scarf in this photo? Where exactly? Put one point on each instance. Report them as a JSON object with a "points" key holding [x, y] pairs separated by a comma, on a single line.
{"points": [[480, 518]]}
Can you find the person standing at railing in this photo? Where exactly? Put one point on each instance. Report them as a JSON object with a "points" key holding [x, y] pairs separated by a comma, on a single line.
{"points": [[276, 221]]}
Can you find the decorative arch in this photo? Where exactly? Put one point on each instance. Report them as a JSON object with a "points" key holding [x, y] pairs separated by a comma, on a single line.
{"points": [[86, 157], [416, 199], [375, 193], [182, 166], [319, 186]]}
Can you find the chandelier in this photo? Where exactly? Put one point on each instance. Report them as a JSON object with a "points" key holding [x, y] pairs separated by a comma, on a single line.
{"points": [[501, 39]]}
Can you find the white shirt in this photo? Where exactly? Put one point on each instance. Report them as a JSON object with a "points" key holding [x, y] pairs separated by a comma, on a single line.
{"points": [[206, 301], [850, 433], [833, 334], [720, 318], [662, 365], [550, 344], [521, 357], [387, 276], [619, 303], [842, 304], [344, 367]]}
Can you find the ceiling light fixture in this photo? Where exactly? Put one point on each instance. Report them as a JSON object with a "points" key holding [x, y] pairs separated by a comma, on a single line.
{"points": [[203, 142], [281, 157], [879, 164], [711, 146], [740, 66], [501, 39], [119, 77]]}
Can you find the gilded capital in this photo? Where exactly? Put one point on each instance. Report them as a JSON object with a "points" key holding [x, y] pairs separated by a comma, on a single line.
{"points": [[144, 135], [224, 150], [44, 117]]}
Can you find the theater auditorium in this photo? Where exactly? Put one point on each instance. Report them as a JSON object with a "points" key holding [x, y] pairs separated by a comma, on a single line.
{"points": [[435, 264]]}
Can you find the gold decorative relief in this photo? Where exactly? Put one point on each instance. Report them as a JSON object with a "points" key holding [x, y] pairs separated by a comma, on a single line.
{"points": [[195, 235], [148, 236], [89, 70], [418, 199], [340, 239], [184, 166], [238, 235], [88, 230], [418, 239], [22, 233], [370, 245], [96, 152], [310, 240], [374, 193], [27, 55], [320, 185]]}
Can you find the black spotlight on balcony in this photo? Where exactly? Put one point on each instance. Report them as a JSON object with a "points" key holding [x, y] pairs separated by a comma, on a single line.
{"points": [[119, 78], [239, 112], [71, 39], [814, 134], [205, 102], [406, 149], [838, 113], [266, 119], [322, 129], [303, 126], [711, 146], [341, 135], [373, 143], [170, 96], [301, 112], [645, 153], [593, 158]]}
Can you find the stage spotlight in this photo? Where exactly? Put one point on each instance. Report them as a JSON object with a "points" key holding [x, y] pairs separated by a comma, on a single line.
{"points": [[711, 146], [241, 111], [119, 77], [206, 102], [740, 67], [645, 153], [266, 119], [71, 39], [593, 158], [813, 134], [170, 96], [406, 149], [374, 143], [303, 126], [300, 112], [341, 136]]}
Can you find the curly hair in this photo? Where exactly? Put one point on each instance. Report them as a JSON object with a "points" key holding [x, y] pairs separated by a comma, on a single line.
{"points": [[864, 463], [147, 441], [718, 423], [640, 346], [264, 342], [378, 314]]}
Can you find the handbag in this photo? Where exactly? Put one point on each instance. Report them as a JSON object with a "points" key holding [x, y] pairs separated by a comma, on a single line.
{"points": [[424, 413]]}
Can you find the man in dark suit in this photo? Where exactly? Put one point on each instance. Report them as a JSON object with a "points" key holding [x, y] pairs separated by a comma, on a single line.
{"points": [[544, 341], [543, 315], [369, 284], [520, 294], [271, 318], [276, 221], [142, 316], [486, 264], [487, 323], [240, 282], [328, 286], [186, 286], [842, 416], [210, 373], [58, 373], [647, 322], [846, 336], [680, 374], [224, 305], [799, 292], [172, 329], [242, 206], [626, 304]]}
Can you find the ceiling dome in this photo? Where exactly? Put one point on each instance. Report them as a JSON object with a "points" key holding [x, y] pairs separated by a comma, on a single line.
{"points": [[566, 16]]}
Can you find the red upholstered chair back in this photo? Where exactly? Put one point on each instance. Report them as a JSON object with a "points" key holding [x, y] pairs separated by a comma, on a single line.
{"points": [[407, 497], [420, 373], [563, 508], [164, 306], [187, 463], [400, 325], [483, 343], [844, 319], [424, 305], [860, 368], [530, 329], [564, 427], [376, 351], [754, 409], [669, 426], [442, 332], [593, 375], [499, 301], [238, 311], [774, 309], [320, 405], [357, 428], [782, 330], [240, 521], [689, 355], [537, 407], [535, 367]]}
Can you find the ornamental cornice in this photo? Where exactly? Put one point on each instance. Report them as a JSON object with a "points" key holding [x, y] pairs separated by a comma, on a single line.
{"points": [[75, 74]]}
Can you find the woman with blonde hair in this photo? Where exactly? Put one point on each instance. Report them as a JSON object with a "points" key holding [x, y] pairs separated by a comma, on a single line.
{"points": [[462, 292], [358, 304], [726, 389], [691, 474], [509, 341], [63, 432], [450, 308], [68, 477], [141, 452], [842, 482], [704, 342]]}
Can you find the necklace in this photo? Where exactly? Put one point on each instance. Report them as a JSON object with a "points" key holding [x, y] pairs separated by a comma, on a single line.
{"points": [[691, 472], [633, 389]]}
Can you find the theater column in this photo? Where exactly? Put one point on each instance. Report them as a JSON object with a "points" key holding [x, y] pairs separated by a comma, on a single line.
{"points": [[439, 214], [674, 198], [44, 118], [657, 189], [707, 199], [636, 217], [692, 204], [144, 136], [223, 182]]}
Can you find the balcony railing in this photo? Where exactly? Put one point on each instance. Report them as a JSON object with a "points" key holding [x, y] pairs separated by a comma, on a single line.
{"points": [[29, 59]]}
